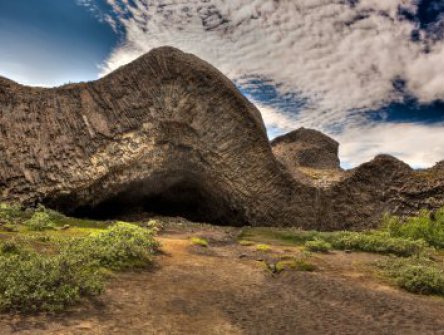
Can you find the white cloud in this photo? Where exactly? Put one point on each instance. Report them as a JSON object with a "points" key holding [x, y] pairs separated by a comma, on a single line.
{"points": [[418, 145], [275, 119], [342, 58]]}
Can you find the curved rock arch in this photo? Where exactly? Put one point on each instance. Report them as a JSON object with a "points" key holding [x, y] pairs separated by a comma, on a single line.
{"points": [[165, 128]]}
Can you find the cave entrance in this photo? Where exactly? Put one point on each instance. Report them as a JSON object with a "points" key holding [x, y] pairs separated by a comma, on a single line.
{"points": [[192, 198]]}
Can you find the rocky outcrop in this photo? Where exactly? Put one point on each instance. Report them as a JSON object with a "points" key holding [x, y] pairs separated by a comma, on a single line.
{"points": [[306, 148], [359, 200], [421, 189], [167, 133], [170, 134]]}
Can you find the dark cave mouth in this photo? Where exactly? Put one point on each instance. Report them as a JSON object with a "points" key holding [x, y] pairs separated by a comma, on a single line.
{"points": [[189, 199]]}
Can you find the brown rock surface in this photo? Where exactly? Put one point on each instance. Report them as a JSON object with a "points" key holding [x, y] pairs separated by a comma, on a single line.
{"points": [[365, 194], [170, 134], [306, 148], [167, 132], [310, 156]]}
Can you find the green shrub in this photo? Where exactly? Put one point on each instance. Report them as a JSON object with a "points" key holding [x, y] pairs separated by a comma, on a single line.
{"points": [[199, 241], [295, 264], [426, 226], [40, 221], [9, 247], [378, 242], [10, 213], [415, 275], [263, 247], [30, 281], [154, 225], [121, 246], [10, 227], [318, 246], [34, 282]]}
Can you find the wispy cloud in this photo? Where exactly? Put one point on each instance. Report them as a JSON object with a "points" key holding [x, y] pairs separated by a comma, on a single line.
{"points": [[343, 57], [418, 145]]}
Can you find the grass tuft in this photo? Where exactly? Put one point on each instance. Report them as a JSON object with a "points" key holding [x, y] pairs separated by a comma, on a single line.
{"points": [[40, 221], [318, 246], [295, 264], [199, 241], [263, 247]]}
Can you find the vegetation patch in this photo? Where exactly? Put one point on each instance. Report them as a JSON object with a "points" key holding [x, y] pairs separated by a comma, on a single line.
{"points": [[372, 241], [318, 246], [263, 247], [246, 243], [294, 264], [378, 242], [199, 241], [121, 246], [33, 282], [416, 275], [427, 226], [11, 213], [39, 221], [46, 268]]}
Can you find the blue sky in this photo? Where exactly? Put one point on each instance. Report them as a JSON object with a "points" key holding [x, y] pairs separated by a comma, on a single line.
{"points": [[52, 42], [369, 73]]}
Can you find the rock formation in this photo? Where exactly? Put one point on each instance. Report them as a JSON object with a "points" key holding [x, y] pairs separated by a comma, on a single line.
{"points": [[170, 134], [360, 199], [306, 148]]}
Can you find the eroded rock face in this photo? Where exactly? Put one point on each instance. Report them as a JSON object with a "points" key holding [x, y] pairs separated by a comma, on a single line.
{"points": [[166, 131], [170, 134], [306, 148], [359, 200]]}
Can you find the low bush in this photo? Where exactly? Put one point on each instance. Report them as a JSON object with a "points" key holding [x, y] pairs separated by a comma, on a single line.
{"points": [[10, 227], [154, 225], [415, 275], [121, 246], [34, 282], [426, 226], [318, 246], [10, 247], [378, 242], [370, 241], [31, 281], [199, 241], [39, 221], [10, 213], [295, 264], [263, 247]]}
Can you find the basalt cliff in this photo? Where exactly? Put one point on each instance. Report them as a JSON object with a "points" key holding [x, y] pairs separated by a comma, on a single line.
{"points": [[170, 134]]}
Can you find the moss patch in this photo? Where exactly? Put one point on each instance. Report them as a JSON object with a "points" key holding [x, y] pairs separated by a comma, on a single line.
{"points": [[263, 248], [199, 241], [294, 264]]}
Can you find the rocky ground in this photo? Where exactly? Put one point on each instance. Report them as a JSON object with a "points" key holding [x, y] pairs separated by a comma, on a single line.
{"points": [[228, 288]]}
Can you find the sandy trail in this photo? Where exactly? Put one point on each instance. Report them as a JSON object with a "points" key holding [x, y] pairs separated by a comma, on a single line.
{"points": [[221, 290]]}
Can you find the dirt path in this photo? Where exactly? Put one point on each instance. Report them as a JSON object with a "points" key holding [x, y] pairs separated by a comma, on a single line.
{"points": [[225, 290]]}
